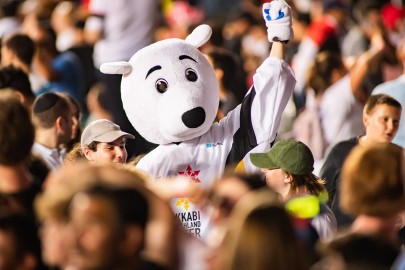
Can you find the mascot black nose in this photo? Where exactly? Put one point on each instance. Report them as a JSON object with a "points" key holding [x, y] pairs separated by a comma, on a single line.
{"points": [[194, 118]]}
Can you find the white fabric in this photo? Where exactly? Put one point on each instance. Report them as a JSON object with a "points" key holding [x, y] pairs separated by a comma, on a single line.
{"points": [[128, 26], [203, 159], [53, 158], [325, 224], [277, 15], [302, 60], [66, 40], [199, 36], [8, 26], [341, 113], [157, 116]]}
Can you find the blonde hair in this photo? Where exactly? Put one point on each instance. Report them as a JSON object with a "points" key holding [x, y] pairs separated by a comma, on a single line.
{"points": [[372, 180], [261, 236]]}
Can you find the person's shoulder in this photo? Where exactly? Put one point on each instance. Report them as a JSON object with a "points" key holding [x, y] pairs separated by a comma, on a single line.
{"points": [[345, 145], [342, 149]]}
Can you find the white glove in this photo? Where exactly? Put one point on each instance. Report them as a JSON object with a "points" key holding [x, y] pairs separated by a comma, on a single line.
{"points": [[277, 15]]}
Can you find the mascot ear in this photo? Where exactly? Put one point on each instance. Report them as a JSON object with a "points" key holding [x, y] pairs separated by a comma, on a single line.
{"points": [[199, 36], [123, 68]]}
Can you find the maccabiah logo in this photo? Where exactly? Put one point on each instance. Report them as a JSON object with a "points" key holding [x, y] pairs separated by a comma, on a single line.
{"points": [[190, 219], [189, 173], [193, 176]]}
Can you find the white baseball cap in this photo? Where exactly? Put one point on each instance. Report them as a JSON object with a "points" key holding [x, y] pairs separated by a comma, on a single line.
{"points": [[102, 130]]}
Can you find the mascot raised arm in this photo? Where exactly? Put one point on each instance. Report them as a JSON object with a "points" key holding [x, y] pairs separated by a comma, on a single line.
{"points": [[170, 94]]}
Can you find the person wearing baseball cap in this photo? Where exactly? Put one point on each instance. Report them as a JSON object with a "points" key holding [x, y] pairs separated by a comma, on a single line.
{"points": [[102, 141], [288, 167]]}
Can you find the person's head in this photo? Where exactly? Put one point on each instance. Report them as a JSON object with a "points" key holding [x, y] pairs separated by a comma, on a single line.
{"points": [[103, 141], [367, 15], [224, 63], [337, 9], [108, 226], [18, 50], [372, 181], [59, 209], [326, 69], [228, 190], [15, 78], [16, 130], [357, 251], [63, 16], [52, 112], [381, 117], [261, 235], [76, 116], [19, 243], [288, 167]]}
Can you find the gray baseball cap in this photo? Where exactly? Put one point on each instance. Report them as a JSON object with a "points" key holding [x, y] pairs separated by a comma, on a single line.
{"points": [[102, 130]]}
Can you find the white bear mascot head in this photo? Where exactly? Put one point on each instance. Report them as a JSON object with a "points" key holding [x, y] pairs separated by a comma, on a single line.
{"points": [[169, 90]]}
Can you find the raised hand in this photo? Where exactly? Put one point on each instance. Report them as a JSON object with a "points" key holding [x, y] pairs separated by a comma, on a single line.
{"points": [[277, 15]]}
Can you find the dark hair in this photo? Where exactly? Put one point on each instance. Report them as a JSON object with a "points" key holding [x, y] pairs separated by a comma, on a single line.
{"points": [[253, 181], [379, 99], [361, 251], [363, 8], [16, 130], [226, 61], [131, 206], [312, 184], [24, 234], [93, 146], [15, 78], [48, 107], [320, 73], [9, 8], [22, 46]]}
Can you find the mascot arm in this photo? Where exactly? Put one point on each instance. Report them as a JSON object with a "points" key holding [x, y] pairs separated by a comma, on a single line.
{"points": [[273, 84], [262, 107], [274, 80]]}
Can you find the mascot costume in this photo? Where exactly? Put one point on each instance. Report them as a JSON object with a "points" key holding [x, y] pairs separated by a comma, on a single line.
{"points": [[170, 94]]}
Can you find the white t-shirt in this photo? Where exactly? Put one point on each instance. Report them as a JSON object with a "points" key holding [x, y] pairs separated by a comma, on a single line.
{"points": [[341, 113], [127, 26]]}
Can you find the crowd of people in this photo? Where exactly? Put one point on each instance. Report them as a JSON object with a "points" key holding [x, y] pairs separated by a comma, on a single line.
{"points": [[329, 194]]}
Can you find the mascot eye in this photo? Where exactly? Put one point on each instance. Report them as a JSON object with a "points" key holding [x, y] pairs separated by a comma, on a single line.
{"points": [[191, 75], [161, 85]]}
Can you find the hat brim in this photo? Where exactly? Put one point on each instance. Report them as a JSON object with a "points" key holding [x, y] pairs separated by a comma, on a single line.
{"points": [[112, 136], [262, 160]]}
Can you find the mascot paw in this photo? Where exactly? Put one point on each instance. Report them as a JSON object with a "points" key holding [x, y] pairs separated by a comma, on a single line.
{"points": [[277, 15]]}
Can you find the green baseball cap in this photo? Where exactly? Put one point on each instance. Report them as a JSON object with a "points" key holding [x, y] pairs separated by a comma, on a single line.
{"points": [[290, 155]]}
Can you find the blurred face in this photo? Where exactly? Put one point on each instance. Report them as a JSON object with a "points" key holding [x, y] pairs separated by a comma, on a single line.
{"points": [[96, 233], [226, 194], [8, 256], [75, 117], [75, 127], [278, 180], [109, 152], [6, 56], [54, 237], [382, 123], [66, 129]]}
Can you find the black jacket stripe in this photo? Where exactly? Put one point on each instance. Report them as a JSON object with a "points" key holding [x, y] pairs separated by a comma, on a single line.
{"points": [[244, 139]]}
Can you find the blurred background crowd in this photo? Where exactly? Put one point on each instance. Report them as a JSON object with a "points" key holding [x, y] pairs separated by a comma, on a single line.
{"points": [[58, 211]]}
